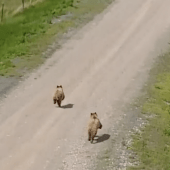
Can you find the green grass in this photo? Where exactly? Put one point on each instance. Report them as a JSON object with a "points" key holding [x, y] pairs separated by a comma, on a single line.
{"points": [[153, 145], [14, 6], [21, 35], [26, 35]]}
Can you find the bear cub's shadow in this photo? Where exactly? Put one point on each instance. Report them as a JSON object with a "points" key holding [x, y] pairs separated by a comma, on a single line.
{"points": [[67, 106], [101, 138]]}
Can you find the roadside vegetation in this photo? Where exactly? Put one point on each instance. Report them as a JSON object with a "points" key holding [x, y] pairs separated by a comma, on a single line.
{"points": [[25, 35], [14, 6], [152, 145]]}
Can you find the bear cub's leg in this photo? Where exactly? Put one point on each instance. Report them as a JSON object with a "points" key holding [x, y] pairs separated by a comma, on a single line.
{"points": [[93, 136], [54, 100], [59, 103], [89, 139]]}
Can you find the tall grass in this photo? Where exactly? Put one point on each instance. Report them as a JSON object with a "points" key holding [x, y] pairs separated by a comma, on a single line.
{"points": [[12, 6], [19, 34]]}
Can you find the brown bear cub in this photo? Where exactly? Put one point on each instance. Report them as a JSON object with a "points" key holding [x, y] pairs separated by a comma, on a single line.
{"points": [[59, 95], [93, 125]]}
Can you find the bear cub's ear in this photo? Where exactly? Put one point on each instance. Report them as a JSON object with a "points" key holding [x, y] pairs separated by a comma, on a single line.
{"points": [[57, 86], [61, 86], [91, 114]]}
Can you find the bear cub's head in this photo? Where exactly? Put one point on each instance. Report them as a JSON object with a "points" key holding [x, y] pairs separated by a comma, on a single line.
{"points": [[59, 86], [95, 116]]}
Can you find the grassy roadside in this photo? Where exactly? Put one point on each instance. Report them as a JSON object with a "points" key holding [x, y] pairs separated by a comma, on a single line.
{"points": [[153, 144], [13, 6], [26, 35]]}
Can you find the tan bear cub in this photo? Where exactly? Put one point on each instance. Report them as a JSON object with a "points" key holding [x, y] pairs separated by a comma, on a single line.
{"points": [[93, 125], [59, 95]]}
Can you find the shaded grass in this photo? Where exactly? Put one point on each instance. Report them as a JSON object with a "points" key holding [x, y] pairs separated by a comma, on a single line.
{"points": [[153, 144], [26, 35]]}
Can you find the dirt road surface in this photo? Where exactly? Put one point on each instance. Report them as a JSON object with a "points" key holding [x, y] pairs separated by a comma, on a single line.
{"points": [[102, 68]]}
